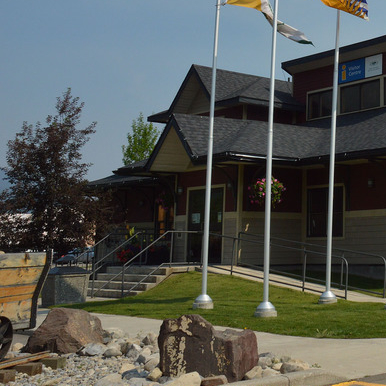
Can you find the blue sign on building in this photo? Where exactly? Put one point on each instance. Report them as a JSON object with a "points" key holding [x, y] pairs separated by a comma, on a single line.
{"points": [[351, 71]]}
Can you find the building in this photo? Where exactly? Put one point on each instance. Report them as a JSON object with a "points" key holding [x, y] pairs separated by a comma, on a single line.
{"points": [[175, 171]]}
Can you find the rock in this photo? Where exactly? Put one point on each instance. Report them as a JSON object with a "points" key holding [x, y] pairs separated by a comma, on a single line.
{"points": [[264, 362], [254, 373], [127, 366], [134, 374], [150, 339], [215, 381], [93, 349], [190, 344], [189, 379], [277, 366], [115, 333], [151, 364], [133, 352], [155, 374], [294, 365], [268, 372], [139, 382], [65, 330], [17, 347], [111, 379], [112, 352]]}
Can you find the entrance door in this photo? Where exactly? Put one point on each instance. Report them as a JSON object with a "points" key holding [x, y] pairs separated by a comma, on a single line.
{"points": [[196, 223]]}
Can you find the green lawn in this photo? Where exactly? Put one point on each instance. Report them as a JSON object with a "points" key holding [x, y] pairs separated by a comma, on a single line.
{"points": [[235, 301]]}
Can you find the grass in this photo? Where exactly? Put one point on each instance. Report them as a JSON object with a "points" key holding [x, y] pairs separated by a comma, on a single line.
{"points": [[372, 287], [235, 301]]}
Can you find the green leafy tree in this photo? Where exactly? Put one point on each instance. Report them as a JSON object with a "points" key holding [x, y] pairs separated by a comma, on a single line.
{"points": [[141, 141], [47, 204]]}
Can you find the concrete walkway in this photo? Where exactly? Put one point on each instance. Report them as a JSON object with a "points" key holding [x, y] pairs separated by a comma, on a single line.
{"points": [[345, 358]]}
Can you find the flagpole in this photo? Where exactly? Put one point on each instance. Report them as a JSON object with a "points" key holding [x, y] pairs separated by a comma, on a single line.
{"points": [[204, 300], [328, 296], [266, 308]]}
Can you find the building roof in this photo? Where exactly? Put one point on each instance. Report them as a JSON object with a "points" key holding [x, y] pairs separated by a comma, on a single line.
{"points": [[360, 135], [326, 58], [114, 181], [232, 88]]}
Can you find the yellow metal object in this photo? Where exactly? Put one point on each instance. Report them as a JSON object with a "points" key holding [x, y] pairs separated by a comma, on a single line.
{"points": [[357, 383]]}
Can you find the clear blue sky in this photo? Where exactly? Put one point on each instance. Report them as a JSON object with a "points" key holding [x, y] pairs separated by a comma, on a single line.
{"points": [[122, 57]]}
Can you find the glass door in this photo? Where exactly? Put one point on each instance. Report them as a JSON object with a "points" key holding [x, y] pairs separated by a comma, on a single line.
{"points": [[196, 223]]}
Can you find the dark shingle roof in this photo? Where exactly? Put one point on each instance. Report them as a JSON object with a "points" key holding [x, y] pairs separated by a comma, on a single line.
{"points": [[231, 85], [234, 88], [116, 180], [358, 135]]}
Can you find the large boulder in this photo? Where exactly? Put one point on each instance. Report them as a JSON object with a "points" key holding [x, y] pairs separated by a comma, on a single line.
{"points": [[64, 331], [190, 344]]}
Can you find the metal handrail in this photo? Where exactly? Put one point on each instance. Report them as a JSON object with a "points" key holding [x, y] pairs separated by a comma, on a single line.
{"points": [[131, 261], [344, 259], [96, 266]]}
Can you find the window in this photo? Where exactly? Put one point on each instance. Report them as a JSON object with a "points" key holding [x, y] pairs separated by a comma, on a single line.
{"points": [[360, 96], [319, 104], [317, 210]]}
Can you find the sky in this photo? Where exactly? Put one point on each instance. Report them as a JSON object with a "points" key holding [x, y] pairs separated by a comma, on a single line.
{"points": [[123, 57]]}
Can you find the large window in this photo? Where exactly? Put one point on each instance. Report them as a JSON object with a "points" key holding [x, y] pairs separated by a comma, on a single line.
{"points": [[319, 104], [360, 96], [317, 210]]}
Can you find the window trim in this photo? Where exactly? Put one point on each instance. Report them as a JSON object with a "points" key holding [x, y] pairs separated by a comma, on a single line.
{"points": [[326, 186], [382, 97]]}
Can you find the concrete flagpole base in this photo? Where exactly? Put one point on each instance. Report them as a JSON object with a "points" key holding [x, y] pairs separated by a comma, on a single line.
{"points": [[327, 297], [265, 310], [204, 302]]}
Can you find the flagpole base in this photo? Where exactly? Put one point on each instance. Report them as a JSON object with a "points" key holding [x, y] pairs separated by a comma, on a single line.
{"points": [[327, 297], [265, 310], [204, 302]]}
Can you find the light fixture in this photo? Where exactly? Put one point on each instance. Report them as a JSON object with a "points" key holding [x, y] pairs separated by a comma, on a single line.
{"points": [[370, 183], [180, 190]]}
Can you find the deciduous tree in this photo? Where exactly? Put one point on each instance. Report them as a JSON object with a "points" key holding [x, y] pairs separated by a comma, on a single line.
{"points": [[141, 141], [47, 205]]}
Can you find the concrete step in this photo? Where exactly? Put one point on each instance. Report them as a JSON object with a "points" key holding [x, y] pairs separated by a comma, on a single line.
{"points": [[117, 285], [130, 277], [140, 270], [111, 293]]}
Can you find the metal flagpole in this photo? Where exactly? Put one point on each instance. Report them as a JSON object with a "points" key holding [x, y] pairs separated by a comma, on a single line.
{"points": [[328, 296], [204, 300], [266, 308]]}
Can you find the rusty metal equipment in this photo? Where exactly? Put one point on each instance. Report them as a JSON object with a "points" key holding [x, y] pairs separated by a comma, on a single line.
{"points": [[22, 276]]}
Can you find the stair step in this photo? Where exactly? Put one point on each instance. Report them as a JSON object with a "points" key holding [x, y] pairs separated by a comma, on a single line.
{"points": [[116, 285], [114, 294], [130, 277], [139, 270]]}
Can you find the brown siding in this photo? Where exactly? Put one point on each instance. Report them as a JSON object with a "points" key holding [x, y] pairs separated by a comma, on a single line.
{"points": [[311, 80], [198, 178], [355, 178]]}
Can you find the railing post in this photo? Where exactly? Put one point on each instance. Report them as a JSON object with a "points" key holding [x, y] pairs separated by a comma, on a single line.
{"points": [[171, 249], [123, 278], [140, 246], [384, 278], [233, 255], [341, 270], [304, 268]]}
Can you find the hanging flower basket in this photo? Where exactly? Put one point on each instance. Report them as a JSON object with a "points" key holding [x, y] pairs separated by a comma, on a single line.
{"points": [[257, 191]]}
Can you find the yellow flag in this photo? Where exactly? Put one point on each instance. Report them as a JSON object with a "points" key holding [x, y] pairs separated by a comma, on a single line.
{"points": [[355, 7], [265, 7], [258, 4]]}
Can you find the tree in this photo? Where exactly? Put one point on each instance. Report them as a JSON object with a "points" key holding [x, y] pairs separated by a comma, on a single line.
{"points": [[47, 205], [141, 141]]}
